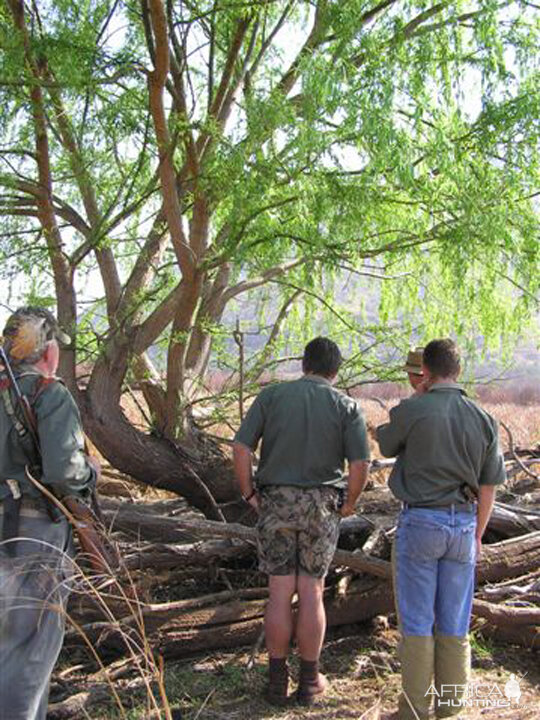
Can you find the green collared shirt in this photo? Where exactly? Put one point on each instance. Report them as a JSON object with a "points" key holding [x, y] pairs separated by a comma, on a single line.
{"points": [[308, 430], [64, 464], [444, 441]]}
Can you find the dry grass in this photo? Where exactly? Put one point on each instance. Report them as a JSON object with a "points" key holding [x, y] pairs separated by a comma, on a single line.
{"points": [[518, 406], [522, 420], [360, 662]]}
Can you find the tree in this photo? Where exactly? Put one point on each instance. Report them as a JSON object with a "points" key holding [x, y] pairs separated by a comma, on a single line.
{"points": [[190, 153]]}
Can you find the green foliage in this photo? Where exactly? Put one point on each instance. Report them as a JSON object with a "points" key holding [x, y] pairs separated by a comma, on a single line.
{"points": [[400, 169]]}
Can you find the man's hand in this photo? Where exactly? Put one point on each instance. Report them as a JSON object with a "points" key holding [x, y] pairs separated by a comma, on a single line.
{"points": [[94, 463], [347, 509], [358, 476], [243, 472], [478, 547], [486, 500]]}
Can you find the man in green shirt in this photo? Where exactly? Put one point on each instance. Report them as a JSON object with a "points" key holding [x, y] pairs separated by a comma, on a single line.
{"points": [[308, 430], [448, 453], [35, 549]]}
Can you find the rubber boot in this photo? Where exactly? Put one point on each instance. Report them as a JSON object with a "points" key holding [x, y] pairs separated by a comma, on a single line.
{"points": [[312, 684], [278, 681]]}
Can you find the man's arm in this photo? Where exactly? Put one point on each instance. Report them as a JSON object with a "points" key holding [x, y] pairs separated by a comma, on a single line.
{"points": [[245, 443], [486, 500], [391, 436], [358, 476], [492, 474], [243, 470], [65, 466]]}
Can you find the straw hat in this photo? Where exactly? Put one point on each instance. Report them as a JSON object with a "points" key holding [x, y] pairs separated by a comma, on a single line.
{"points": [[413, 364]]}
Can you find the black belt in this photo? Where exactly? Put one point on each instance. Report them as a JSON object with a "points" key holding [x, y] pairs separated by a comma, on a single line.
{"points": [[457, 507]]}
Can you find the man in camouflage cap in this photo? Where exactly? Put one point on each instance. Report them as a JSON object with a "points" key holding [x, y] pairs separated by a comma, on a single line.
{"points": [[308, 430], [27, 333], [35, 546]]}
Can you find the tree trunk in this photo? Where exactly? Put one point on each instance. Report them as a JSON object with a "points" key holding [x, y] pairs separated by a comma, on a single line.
{"points": [[154, 460]]}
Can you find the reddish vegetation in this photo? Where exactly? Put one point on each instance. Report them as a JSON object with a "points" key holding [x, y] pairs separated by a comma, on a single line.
{"points": [[515, 404]]}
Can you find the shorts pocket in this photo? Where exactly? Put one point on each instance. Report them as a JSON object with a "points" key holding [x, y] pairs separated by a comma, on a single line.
{"points": [[334, 502]]}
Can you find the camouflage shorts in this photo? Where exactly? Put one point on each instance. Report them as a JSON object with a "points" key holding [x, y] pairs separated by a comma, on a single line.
{"points": [[298, 529]]}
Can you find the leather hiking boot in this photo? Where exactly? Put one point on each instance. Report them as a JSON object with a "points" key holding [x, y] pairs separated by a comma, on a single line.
{"points": [[312, 684], [278, 682]]}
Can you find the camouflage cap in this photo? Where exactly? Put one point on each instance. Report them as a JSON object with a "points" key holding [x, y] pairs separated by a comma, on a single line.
{"points": [[413, 364], [27, 333]]}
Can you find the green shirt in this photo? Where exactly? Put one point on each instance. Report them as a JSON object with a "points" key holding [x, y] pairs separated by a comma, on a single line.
{"points": [[308, 430], [444, 441], [65, 468]]}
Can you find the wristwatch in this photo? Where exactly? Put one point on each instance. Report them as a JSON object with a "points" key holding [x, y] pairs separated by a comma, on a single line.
{"points": [[247, 498]]}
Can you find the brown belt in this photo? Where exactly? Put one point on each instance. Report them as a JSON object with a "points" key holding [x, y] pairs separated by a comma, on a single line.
{"points": [[30, 506]]}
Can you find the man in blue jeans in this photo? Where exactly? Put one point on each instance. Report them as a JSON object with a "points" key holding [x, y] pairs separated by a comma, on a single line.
{"points": [[449, 454]]}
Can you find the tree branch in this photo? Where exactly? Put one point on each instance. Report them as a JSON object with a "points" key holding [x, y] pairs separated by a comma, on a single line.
{"points": [[266, 277], [156, 83]]}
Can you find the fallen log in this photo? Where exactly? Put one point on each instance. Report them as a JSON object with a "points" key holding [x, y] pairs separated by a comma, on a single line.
{"points": [[188, 626], [164, 556], [509, 558], [171, 522], [221, 620], [364, 599], [177, 631], [527, 636], [76, 706], [506, 615], [510, 520], [159, 523]]}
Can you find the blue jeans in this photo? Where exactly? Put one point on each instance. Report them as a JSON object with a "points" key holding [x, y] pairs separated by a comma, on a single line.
{"points": [[435, 556], [33, 597], [435, 561]]}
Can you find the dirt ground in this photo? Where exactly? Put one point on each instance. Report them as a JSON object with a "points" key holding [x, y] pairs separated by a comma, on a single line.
{"points": [[360, 662]]}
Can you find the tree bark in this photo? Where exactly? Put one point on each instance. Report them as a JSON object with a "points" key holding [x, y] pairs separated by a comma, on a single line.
{"points": [[154, 460]]}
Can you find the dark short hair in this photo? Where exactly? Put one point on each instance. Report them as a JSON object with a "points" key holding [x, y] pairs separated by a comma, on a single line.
{"points": [[441, 357], [321, 357]]}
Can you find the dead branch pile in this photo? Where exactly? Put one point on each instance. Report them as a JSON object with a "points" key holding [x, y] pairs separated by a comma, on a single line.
{"points": [[194, 585]]}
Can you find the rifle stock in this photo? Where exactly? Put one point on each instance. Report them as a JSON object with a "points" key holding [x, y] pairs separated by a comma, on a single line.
{"points": [[100, 552]]}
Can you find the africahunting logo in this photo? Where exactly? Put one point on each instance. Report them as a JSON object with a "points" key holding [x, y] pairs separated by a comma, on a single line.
{"points": [[483, 695]]}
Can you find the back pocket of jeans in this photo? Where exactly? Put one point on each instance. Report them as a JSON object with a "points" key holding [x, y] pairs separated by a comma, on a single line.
{"points": [[421, 542], [463, 546]]}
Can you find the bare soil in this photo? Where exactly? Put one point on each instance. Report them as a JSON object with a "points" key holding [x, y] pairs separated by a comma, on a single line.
{"points": [[360, 662]]}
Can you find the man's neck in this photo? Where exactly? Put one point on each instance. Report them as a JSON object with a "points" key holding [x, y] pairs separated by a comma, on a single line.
{"points": [[27, 369], [319, 377], [443, 380]]}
